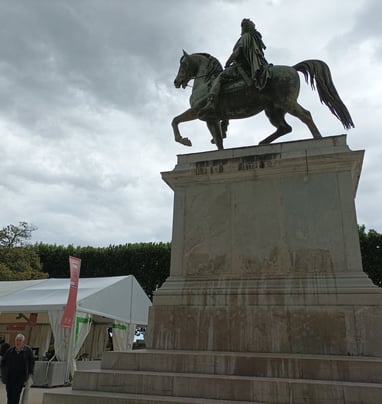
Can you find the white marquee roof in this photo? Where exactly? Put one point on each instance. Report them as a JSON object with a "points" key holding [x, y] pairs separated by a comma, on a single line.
{"points": [[118, 297]]}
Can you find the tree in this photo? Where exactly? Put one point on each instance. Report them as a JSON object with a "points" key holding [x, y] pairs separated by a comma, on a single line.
{"points": [[18, 261], [16, 236], [371, 252]]}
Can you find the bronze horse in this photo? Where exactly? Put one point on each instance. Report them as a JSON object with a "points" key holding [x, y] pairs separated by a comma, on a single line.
{"points": [[238, 100]]}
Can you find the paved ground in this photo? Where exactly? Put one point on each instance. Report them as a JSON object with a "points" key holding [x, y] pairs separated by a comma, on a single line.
{"points": [[35, 395]]}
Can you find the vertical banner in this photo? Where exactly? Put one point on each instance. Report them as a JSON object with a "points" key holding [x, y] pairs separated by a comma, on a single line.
{"points": [[70, 309]]}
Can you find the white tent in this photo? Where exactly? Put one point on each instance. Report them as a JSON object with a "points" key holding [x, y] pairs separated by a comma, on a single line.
{"points": [[120, 299]]}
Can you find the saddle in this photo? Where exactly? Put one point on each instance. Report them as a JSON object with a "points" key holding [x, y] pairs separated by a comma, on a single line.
{"points": [[242, 81]]}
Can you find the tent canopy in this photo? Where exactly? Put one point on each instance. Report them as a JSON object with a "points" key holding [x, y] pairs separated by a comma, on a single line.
{"points": [[119, 297]]}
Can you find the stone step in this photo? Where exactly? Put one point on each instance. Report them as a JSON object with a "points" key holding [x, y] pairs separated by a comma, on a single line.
{"points": [[96, 397], [297, 366], [231, 388]]}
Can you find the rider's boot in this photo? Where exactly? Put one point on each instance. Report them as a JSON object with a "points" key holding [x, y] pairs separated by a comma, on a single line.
{"points": [[209, 108]]}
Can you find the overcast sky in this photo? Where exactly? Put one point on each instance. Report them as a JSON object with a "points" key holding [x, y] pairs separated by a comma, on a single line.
{"points": [[87, 99]]}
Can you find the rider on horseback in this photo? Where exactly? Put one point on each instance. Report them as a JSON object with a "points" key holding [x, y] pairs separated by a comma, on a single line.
{"points": [[247, 61]]}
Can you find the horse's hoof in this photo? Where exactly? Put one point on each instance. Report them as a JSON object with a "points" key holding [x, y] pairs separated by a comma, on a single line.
{"points": [[186, 142]]}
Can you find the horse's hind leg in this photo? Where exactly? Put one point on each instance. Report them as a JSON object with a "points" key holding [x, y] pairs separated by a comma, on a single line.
{"points": [[276, 117], [305, 116]]}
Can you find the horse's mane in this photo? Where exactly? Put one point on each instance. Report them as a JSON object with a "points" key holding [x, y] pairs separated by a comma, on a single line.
{"points": [[215, 66]]}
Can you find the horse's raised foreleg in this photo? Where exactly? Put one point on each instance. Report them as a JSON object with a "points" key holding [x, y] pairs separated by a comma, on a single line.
{"points": [[216, 132], [188, 115], [305, 116]]}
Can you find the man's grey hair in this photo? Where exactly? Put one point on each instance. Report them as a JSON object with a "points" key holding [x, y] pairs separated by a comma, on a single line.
{"points": [[22, 336]]}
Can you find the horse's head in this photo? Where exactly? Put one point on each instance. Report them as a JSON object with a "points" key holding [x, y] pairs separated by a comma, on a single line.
{"points": [[187, 71]]}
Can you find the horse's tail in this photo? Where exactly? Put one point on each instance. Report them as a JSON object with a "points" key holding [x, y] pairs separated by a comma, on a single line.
{"points": [[318, 73]]}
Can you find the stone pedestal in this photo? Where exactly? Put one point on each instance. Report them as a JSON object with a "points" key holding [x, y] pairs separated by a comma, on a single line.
{"points": [[265, 254]]}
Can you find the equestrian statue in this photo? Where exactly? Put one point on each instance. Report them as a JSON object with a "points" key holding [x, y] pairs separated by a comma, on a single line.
{"points": [[248, 85]]}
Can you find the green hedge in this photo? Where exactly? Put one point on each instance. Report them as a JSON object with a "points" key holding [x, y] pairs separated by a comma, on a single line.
{"points": [[148, 262]]}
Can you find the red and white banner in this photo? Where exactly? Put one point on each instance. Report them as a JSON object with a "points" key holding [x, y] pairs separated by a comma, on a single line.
{"points": [[71, 305]]}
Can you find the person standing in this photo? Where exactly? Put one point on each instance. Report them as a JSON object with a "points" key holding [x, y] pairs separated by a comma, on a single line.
{"points": [[17, 366]]}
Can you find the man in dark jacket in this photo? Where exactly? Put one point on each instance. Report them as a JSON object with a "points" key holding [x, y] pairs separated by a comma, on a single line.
{"points": [[17, 366]]}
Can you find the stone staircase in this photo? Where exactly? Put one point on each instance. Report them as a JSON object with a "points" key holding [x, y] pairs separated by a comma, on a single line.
{"points": [[150, 376]]}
